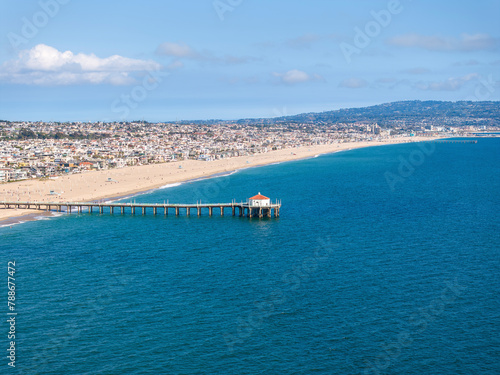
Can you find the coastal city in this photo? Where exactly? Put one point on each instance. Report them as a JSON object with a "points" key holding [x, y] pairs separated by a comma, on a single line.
{"points": [[248, 187], [44, 149]]}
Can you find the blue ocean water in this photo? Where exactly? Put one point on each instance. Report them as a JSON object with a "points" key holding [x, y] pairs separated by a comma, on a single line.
{"points": [[385, 260]]}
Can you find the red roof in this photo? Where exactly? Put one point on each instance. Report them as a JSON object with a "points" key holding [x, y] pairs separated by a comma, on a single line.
{"points": [[259, 196]]}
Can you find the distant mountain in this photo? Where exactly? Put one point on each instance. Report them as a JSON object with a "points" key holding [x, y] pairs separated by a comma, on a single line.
{"points": [[406, 112]]}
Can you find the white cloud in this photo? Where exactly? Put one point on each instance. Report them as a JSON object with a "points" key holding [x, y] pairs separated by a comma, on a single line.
{"points": [[478, 42], [451, 84], [297, 76], [177, 64], [45, 65], [353, 83], [466, 42], [183, 51], [176, 50]]}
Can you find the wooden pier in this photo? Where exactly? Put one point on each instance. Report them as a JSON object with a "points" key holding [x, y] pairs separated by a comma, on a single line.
{"points": [[242, 209], [452, 141]]}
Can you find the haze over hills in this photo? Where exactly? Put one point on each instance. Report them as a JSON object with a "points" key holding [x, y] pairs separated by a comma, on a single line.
{"points": [[414, 112], [402, 114]]}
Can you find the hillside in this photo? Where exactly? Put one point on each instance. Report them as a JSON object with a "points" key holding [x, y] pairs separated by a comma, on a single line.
{"points": [[402, 113]]}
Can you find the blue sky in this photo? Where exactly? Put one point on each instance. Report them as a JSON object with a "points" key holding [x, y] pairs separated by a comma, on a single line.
{"points": [[86, 60]]}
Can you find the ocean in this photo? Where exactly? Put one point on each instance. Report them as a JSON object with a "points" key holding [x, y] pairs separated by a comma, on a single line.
{"points": [[384, 260]]}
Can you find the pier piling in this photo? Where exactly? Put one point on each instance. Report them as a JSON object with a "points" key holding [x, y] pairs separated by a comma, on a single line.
{"points": [[244, 209]]}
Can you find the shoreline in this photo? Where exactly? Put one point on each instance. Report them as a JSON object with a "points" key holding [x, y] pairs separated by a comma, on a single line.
{"points": [[117, 184]]}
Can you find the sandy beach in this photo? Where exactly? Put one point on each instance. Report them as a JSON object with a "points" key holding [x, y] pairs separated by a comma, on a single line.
{"points": [[105, 184]]}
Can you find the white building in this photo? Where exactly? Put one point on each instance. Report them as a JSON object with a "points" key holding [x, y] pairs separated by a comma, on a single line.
{"points": [[259, 201], [4, 175], [18, 174]]}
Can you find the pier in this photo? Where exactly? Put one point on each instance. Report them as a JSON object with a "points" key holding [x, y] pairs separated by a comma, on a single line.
{"points": [[250, 209], [453, 141]]}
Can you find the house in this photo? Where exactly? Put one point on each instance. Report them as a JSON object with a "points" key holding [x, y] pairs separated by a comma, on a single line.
{"points": [[4, 174], [86, 165], [259, 201], [18, 174]]}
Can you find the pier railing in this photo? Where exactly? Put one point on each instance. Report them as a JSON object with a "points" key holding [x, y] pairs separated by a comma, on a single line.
{"points": [[243, 208]]}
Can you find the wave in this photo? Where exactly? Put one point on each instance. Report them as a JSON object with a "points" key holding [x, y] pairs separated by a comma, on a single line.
{"points": [[12, 224], [123, 198], [169, 185], [217, 175], [230, 173], [220, 174]]}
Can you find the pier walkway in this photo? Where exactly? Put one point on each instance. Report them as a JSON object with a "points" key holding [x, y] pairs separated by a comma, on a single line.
{"points": [[243, 208], [452, 141]]}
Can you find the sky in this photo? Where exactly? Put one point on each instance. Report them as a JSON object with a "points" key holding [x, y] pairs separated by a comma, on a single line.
{"points": [[168, 60]]}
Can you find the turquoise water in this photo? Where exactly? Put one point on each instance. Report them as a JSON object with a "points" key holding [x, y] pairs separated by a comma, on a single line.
{"points": [[384, 260]]}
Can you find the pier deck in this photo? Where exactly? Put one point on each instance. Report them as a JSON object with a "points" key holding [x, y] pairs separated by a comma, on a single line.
{"points": [[244, 208]]}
